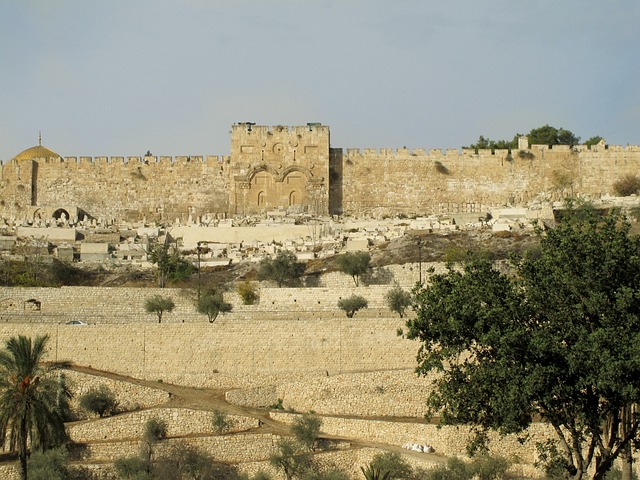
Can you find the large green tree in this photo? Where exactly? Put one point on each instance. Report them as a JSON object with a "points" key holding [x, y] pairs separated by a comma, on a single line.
{"points": [[30, 413], [557, 338], [548, 135]]}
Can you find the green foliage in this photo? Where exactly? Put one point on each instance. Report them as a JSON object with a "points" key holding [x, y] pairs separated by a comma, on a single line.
{"points": [[486, 467], [211, 304], [284, 269], [627, 185], [278, 405], [394, 464], [29, 411], [158, 305], [375, 473], [179, 462], [398, 300], [313, 474], [493, 145], [352, 304], [172, 267], [247, 292], [548, 135], [155, 429], [354, 264], [454, 469], [100, 400], [558, 337], [593, 141], [132, 468], [49, 465], [290, 459], [306, 429], [220, 422]]}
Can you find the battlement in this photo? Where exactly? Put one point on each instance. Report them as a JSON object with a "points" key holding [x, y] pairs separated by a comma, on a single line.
{"points": [[250, 127], [136, 160]]}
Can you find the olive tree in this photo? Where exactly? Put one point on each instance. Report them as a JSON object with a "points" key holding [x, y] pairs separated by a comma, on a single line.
{"points": [[354, 264], [158, 305], [398, 300], [283, 269], [211, 304], [352, 304]]}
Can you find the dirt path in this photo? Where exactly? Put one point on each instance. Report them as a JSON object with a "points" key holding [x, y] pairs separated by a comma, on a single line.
{"points": [[208, 399]]}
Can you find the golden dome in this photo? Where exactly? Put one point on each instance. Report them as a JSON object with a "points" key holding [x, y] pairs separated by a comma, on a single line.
{"points": [[36, 152]]}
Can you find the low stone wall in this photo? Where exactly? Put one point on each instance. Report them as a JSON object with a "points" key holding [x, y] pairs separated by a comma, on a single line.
{"points": [[128, 395], [397, 393], [446, 440], [247, 447], [179, 422]]}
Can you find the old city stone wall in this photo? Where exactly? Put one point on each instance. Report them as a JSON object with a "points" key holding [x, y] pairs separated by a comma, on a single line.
{"points": [[260, 346], [294, 168], [415, 182]]}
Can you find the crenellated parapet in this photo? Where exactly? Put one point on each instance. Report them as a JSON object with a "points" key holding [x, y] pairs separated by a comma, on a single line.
{"points": [[295, 170]]}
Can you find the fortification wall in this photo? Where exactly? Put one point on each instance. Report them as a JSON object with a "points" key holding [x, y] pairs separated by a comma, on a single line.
{"points": [[294, 167], [121, 188], [420, 182], [259, 346]]}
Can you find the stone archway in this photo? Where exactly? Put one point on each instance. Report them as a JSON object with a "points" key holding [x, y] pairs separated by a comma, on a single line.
{"points": [[60, 214]]}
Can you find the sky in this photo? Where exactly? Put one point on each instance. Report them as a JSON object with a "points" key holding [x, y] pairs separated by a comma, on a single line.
{"points": [[123, 77]]}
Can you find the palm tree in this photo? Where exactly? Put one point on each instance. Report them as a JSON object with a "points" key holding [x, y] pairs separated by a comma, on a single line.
{"points": [[29, 400]]}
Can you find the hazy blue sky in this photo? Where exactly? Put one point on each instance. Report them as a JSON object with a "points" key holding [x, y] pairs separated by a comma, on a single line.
{"points": [[121, 77]]}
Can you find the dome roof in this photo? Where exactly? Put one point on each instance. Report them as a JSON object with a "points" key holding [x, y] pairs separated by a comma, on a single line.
{"points": [[36, 152]]}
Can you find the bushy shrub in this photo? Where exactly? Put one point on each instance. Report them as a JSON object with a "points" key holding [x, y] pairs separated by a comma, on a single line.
{"points": [[247, 292], [306, 430], [155, 429], [132, 468], [48, 465], [99, 400], [627, 185], [394, 464], [220, 422]]}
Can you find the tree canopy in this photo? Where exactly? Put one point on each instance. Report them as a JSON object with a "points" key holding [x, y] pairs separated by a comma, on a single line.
{"points": [[283, 269], [30, 407], [556, 338], [354, 264], [158, 304], [545, 135], [212, 304], [172, 266]]}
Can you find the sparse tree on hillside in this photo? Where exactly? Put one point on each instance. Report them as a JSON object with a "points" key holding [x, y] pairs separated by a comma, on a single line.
{"points": [[100, 400], [354, 264], [352, 304], [158, 305], [211, 304], [398, 300], [29, 413], [306, 430], [284, 269], [559, 340], [172, 266]]}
